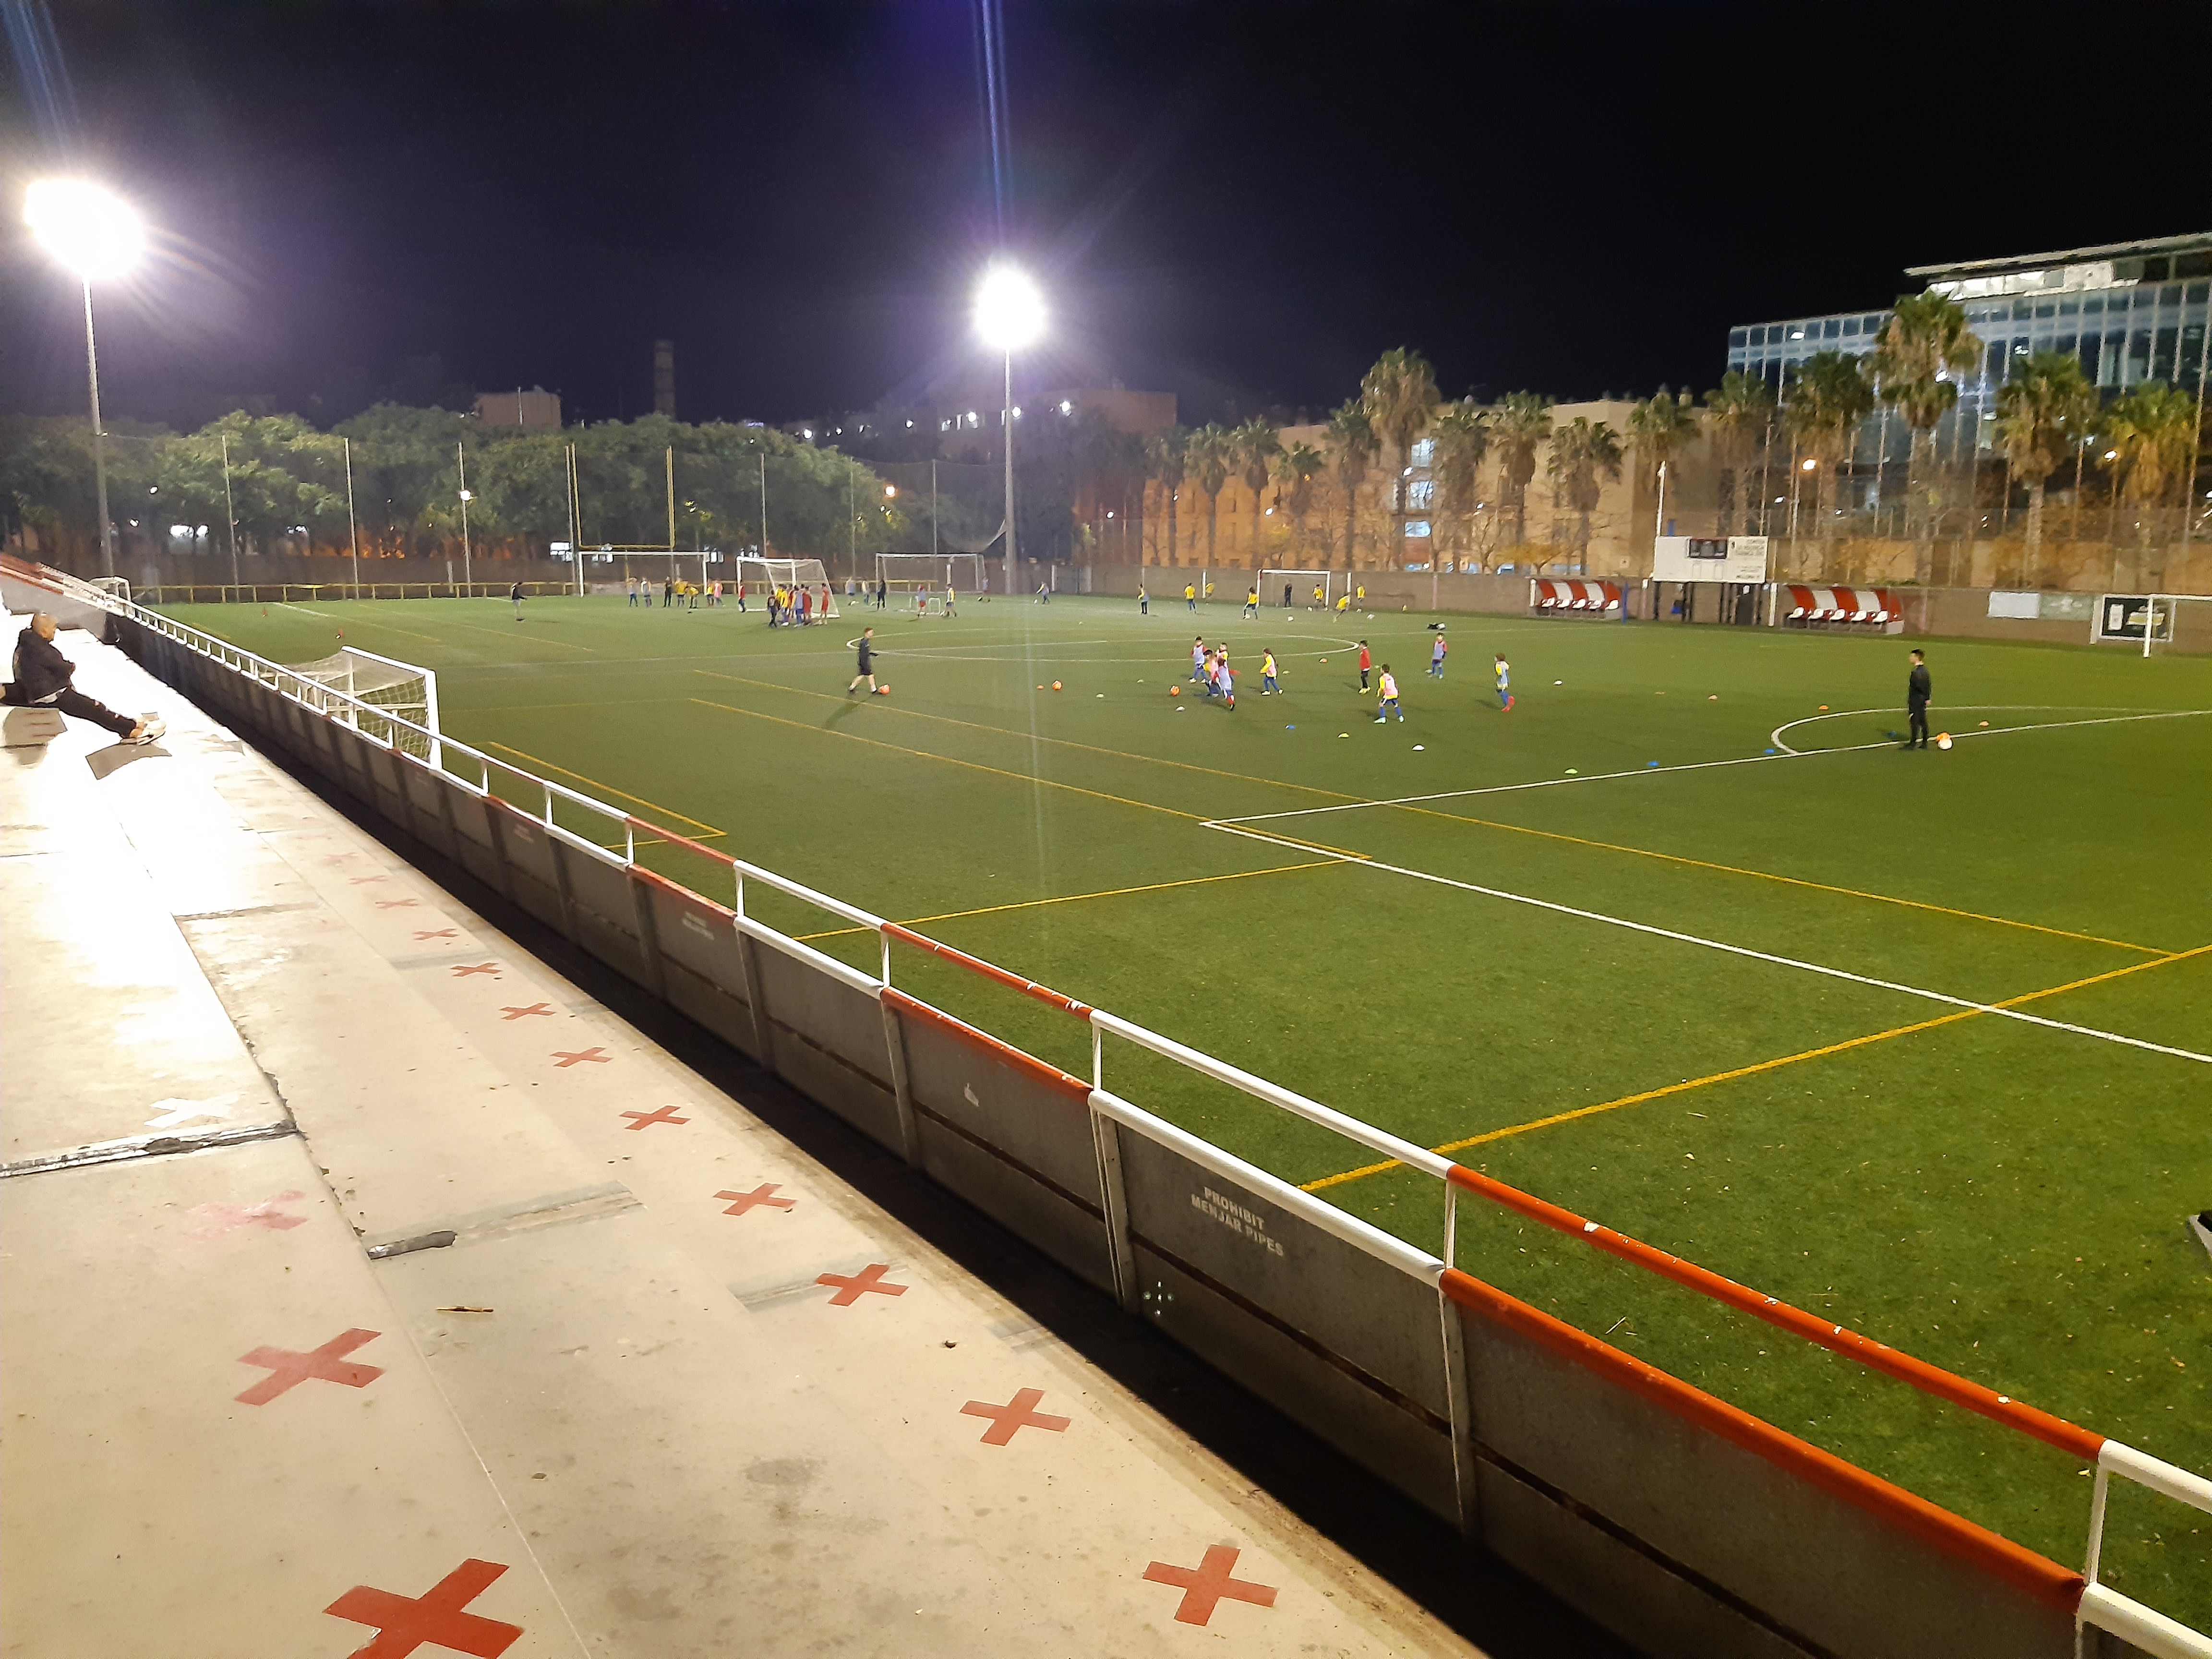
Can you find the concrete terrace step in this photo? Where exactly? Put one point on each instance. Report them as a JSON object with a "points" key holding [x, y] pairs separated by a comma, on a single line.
{"points": [[485, 1276]]}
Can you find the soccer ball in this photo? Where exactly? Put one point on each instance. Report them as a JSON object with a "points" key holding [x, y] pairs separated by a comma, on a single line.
{"points": [[1055, 685], [1942, 740], [884, 689], [1175, 691]]}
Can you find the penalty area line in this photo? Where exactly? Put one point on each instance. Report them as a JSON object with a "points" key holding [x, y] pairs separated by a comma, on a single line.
{"points": [[1747, 953]]}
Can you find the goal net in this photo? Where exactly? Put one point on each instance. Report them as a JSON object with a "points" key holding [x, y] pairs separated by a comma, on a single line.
{"points": [[760, 575], [360, 684], [1291, 588], [900, 572]]}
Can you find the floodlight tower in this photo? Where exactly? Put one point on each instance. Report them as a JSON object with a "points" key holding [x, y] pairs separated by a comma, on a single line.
{"points": [[90, 232], [1009, 315]]}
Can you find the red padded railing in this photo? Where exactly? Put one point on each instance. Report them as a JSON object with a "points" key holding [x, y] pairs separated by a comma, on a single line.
{"points": [[1006, 1053], [1956, 1536], [1028, 987], [1876, 1356]]}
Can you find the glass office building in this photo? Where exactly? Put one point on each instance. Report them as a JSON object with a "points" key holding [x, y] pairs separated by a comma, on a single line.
{"points": [[2130, 311]]}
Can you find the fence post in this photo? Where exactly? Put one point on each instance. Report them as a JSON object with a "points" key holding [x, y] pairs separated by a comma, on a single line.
{"points": [[749, 971], [1106, 1142], [902, 1094], [1459, 1397]]}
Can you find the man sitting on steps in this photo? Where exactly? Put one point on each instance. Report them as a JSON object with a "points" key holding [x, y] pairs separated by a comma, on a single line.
{"points": [[42, 681]]}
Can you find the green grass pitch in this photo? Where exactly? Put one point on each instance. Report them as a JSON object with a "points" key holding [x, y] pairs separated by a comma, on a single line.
{"points": [[2002, 1198]]}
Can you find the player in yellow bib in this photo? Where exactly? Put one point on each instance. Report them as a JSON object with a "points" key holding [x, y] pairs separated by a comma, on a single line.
{"points": [[1343, 603], [1389, 703]]}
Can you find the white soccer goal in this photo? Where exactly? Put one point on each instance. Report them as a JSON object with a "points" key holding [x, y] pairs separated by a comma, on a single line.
{"points": [[2153, 622], [386, 683], [903, 572], [1299, 585], [760, 575]]}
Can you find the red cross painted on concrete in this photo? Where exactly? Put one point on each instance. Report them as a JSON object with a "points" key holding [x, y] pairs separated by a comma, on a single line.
{"points": [[217, 1219], [406, 1623], [763, 1193], [435, 933], [534, 1008], [657, 1115], [491, 968], [1209, 1583], [363, 881], [395, 904], [597, 1056], [1010, 1418], [851, 1287], [287, 1370]]}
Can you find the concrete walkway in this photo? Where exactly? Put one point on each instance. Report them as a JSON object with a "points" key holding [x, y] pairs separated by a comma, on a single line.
{"points": [[362, 1274]]}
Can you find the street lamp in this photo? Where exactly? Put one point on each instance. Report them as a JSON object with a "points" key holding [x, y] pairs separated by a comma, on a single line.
{"points": [[1009, 313], [89, 233]]}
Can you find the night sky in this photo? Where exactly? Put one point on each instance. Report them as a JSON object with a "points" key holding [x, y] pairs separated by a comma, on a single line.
{"points": [[1243, 203]]}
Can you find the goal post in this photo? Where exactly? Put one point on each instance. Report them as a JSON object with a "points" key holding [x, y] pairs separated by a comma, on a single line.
{"points": [[903, 572], [2154, 622], [364, 683], [791, 575], [1299, 586]]}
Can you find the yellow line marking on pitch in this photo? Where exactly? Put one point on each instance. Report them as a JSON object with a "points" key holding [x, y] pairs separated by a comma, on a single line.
{"points": [[973, 766], [1452, 1146], [361, 622], [1063, 743], [609, 788], [1077, 898]]}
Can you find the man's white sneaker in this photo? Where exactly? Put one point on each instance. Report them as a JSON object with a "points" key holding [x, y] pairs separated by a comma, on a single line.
{"points": [[149, 727]]}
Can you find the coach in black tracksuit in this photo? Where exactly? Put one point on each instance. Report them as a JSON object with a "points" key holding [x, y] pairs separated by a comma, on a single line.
{"points": [[42, 680], [1917, 690]]}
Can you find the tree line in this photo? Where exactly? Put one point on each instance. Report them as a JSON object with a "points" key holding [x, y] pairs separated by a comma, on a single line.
{"points": [[278, 484]]}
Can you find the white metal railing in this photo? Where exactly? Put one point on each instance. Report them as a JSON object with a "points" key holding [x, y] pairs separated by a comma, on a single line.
{"points": [[2098, 1605]]}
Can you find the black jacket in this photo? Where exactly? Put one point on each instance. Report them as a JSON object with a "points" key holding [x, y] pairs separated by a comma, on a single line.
{"points": [[1917, 685], [40, 668], [867, 656]]}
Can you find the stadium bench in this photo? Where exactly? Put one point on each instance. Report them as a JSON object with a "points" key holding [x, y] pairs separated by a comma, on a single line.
{"points": [[1556, 597], [1845, 608]]}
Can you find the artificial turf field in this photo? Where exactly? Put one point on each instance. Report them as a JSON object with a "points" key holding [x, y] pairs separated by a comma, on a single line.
{"points": [[2001, 1197]]}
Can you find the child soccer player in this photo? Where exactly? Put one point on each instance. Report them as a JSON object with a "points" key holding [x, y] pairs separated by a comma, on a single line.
{"points": [[514, 593], [629, 586], [1504, 670], [1437, 659], [1143, 601], [1252, 603], [1343, 604], [1268, 686], [1365, 663], [1199, 653], [1189, 597], [949, 601], [1224, 679], [1320, 597], [867, 674], [1389, 703]]}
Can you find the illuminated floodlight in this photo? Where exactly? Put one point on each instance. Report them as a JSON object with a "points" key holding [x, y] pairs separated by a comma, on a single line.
{"points": [[890, 490], [89, 230], [1009, 309]]}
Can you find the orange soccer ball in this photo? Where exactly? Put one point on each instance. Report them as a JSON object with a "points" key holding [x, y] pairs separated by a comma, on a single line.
{"points": [[1175, 691], [1055, 685]]}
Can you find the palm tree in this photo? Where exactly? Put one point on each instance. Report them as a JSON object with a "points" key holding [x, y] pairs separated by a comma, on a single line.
{"points": [[2153, 435], [1351, 437], [1520, 423], [1400, 394], [1827, 401], [1295, 468], [1254, 445], [1582, 453], [1739, 411], [2043, 411], [1209, 454], [1660, 428], [1462, 431], [1164, 460], [1923, 350]]}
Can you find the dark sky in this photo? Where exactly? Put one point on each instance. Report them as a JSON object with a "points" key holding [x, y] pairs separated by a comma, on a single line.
{"points": [[1240, 202]]}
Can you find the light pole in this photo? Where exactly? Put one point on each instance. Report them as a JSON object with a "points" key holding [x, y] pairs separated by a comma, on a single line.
{"points": [[90, 232], [468, 579], [1009, 313]]}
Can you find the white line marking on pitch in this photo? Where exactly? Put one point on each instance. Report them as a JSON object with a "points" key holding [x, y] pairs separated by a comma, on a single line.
{"points": [[1717, 944], [1787, 753], [1775, 736]]}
